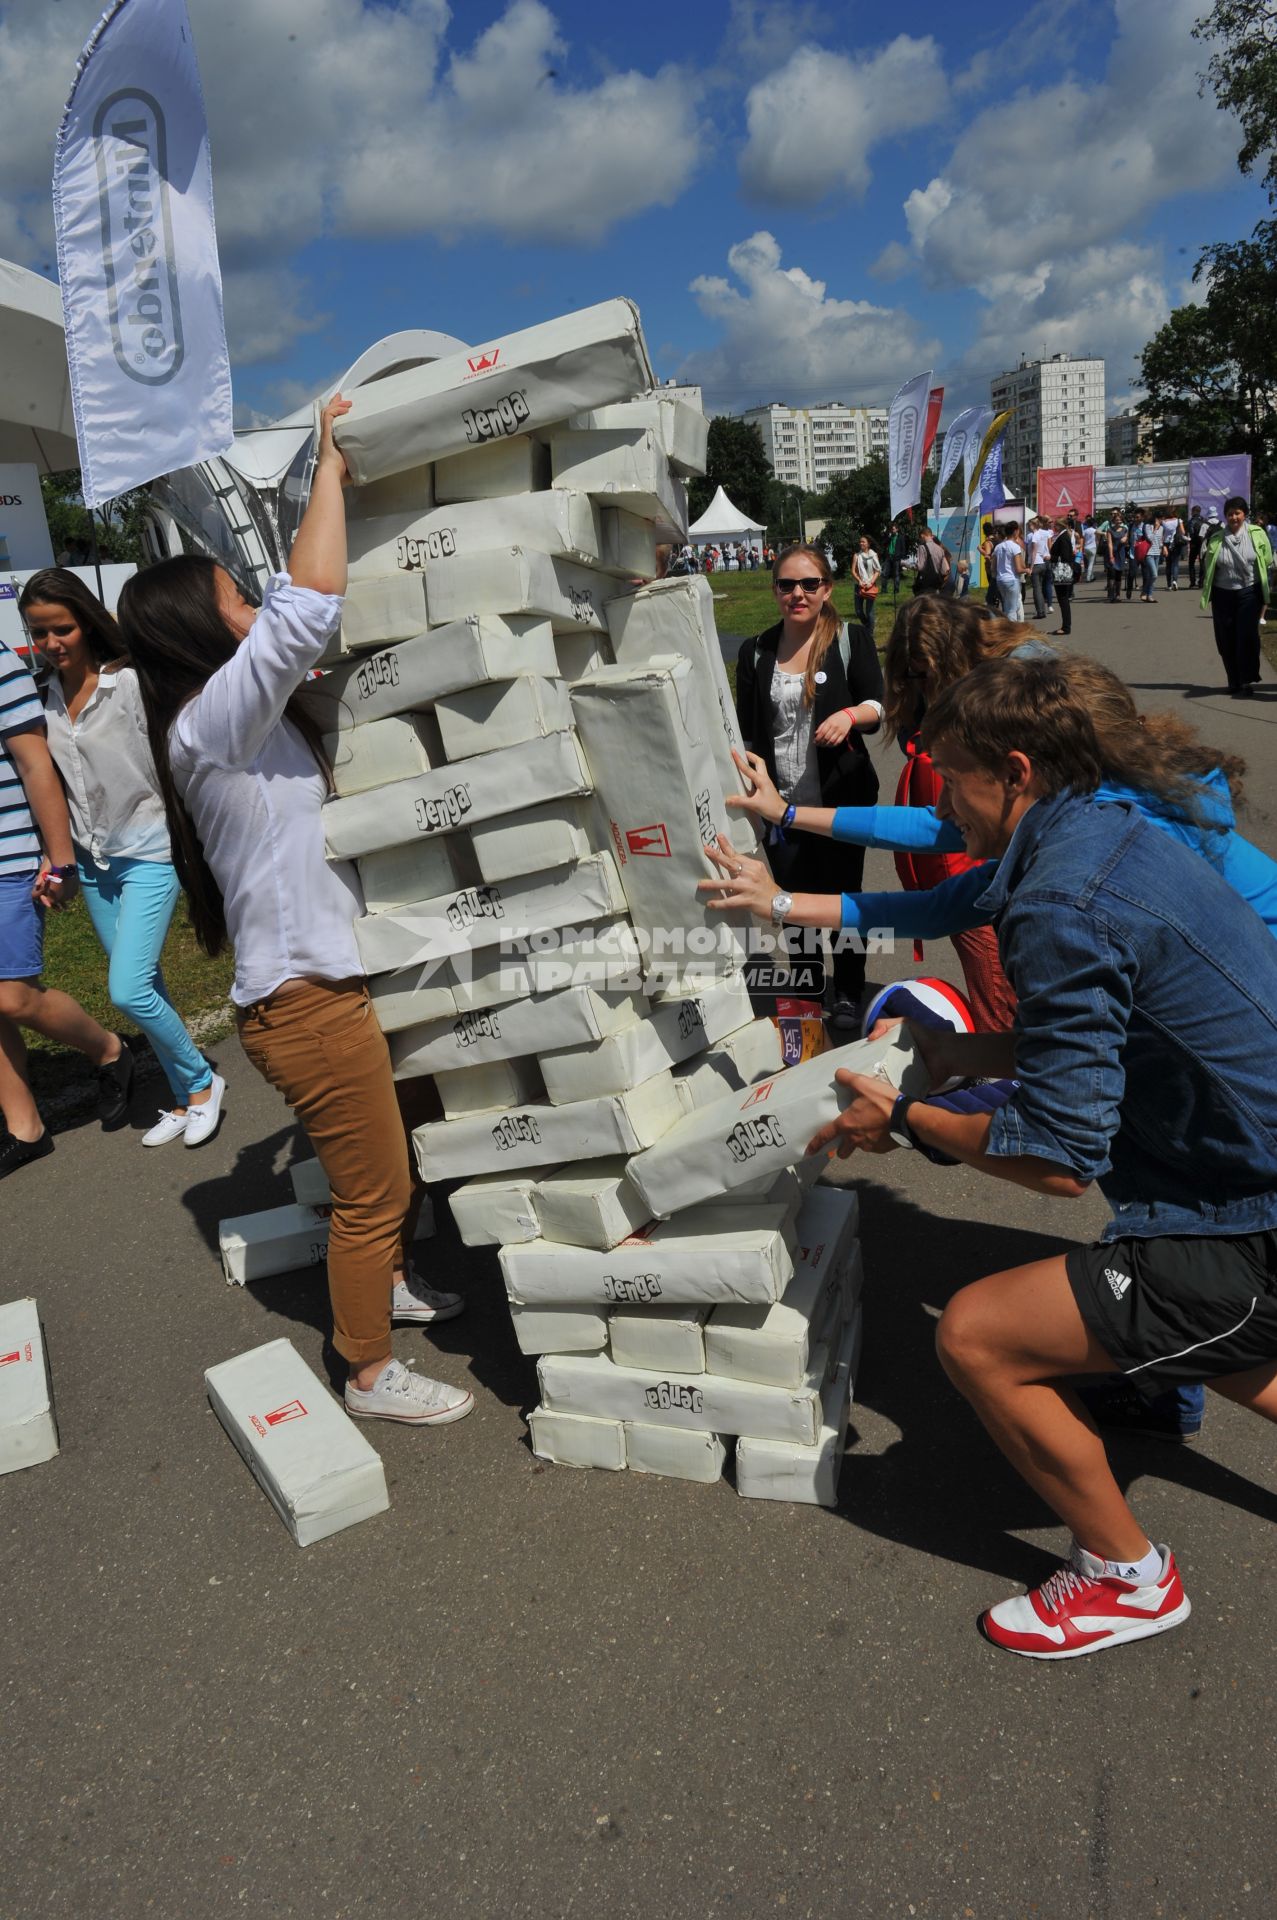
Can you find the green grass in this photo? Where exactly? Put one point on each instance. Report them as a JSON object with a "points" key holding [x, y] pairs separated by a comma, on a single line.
{"points": [[744, 604]]}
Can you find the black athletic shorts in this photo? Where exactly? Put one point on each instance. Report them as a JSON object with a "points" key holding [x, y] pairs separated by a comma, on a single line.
{"points": [[1182, 1308]]}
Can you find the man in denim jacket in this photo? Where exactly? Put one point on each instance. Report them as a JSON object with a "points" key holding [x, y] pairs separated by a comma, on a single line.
{"points": [[1143, 1054]]}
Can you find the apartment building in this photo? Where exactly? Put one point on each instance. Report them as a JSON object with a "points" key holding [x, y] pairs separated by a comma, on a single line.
{"points": [[810, 446], [1057, 409]]}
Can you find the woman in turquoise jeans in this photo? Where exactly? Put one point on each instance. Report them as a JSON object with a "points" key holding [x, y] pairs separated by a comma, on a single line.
{"points": [[97, 737]]}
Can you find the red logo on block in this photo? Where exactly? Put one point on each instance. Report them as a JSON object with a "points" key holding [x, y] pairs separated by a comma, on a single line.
{"points": [[651, 840], [757, 1094], [293, 1411], [484, 362], [7, 1359]]}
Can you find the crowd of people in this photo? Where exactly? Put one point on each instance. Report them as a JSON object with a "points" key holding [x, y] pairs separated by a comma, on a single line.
{"points": [[1115, 933]]}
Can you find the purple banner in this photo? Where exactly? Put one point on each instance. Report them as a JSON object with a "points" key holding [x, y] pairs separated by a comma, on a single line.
{"points": [[992, 491], [1211, 482]]}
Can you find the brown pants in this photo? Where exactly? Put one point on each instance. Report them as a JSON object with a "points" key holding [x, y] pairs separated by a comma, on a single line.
{"points": [[319, 1043]]}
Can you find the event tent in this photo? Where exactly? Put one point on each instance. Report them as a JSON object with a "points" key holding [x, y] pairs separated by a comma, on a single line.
{"points": [[722, 521], [36, 422]]}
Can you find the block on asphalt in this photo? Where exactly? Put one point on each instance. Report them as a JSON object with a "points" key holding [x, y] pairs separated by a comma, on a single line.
{"points": [[571, 1440], [28, 1430], [674, 1454], [807, 1475]]}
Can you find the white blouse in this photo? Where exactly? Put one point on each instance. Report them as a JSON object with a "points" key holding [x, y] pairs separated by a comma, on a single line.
{"points": [[797, 772], [105, 761], [254, 793]]}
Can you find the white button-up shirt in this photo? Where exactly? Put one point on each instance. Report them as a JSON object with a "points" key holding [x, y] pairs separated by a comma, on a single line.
{"points": [[105, 761], [254, 792]]}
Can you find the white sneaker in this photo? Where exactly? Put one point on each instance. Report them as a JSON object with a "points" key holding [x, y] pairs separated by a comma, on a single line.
{"points": [[397, 1394], [416, 1303], [169, 1126], [202, 1121]]}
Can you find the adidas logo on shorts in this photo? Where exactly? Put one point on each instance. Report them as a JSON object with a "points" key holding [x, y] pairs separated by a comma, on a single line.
{"points": [[1118, 1281]]}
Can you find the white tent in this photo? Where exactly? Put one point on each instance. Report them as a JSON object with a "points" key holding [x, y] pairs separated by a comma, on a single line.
{"points": [[36, 422], [722, 521]]}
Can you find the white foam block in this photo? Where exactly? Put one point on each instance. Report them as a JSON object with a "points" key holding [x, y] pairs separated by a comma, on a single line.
{"points": [[408, 996], [392, 749], [674, 1454], [747, 1135], [311, 1462], [676, 617], [375, 612], [558, 521], [773, 1345], [664, 1339], [496, 1209], [505, 1033], [497, 469], [594, 1385], [668, 1034], [400, 494], [505, 387], [779, 1470], [28, 1432], [581, 653], [422, 870], [486, 916], [571, 1440], [664, 806], [534, 839], [255, 1246], [559, 1329], [488, 1089], [711, 1254], [682, 429], [627, 544], [454, 796], [413, 675], [604, 956], [589, 1204], [517, 580], [502, 714], [624, 467], [754, 1053], [533, 1136], [310, 1184]]}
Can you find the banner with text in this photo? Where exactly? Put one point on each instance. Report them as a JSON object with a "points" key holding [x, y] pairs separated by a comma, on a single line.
{"points": [[1211, 482], [1065, 490], [906, 431], [24, 529], [955, 442], [137, 254]]}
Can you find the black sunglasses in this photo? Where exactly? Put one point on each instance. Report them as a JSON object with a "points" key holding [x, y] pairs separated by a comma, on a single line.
{"points": [[808, 585]]}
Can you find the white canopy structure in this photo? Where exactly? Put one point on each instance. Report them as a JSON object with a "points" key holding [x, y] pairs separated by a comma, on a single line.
{"points": [[36, 421], [722, 521]]}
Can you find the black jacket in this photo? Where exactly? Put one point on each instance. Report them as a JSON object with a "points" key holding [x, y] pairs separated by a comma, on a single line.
{"points": [[847, 776]]}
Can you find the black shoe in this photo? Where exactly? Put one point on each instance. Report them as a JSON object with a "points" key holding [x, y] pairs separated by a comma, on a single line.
{"points": [[20, 1153], [843, 1016], [115, 1089]]}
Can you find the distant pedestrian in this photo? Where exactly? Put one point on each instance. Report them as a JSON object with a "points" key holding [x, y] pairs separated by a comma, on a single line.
{"points": [[1090, 544], [866, 572], [1196, 531], [1008, 565], [1174, 541], [1238, 561], [1147, 548], [1063, 561], [1038, 544], [1115, 556]]}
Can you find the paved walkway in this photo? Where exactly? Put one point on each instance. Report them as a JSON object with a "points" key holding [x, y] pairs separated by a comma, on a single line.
{"points": [[527, 1691]]}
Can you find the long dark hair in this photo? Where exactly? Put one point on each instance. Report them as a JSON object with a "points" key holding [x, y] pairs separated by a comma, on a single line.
{"points": [[177, 640], [58, 586]]}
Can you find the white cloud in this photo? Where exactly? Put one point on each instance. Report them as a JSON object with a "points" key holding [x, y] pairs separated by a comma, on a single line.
{"points": [[268, 309], [813, 121], [785, 338]]}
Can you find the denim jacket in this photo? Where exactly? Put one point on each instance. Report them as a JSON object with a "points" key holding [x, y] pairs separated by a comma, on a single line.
{"points": [[1146, 1030]]}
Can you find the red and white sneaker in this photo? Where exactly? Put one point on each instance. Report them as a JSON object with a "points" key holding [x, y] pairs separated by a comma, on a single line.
{"points": [[1081, 1609]]}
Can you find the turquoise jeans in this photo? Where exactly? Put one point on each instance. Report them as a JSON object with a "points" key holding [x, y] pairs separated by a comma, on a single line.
{"points": [[130, 903]]}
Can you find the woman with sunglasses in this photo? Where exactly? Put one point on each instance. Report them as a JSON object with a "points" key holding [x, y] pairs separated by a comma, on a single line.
{"points": [[807, 692], [97, 738]]}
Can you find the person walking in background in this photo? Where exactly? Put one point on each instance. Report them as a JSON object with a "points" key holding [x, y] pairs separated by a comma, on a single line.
{"points": [[33, 812], [1196, 533], [1090, 543], [1132, 559], [866, 572], [988, 548], [97, 736], [1063, 560], [893, 569], [1116, 542], [933, 564], [1038, 544], [1147, 547], [1235, 577], [808, 690], [1173, 543], [1008, 563]]}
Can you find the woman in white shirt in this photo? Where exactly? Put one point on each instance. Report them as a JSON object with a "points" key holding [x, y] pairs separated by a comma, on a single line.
{"points": [[97, 738], [244, 776], [866, 570]]}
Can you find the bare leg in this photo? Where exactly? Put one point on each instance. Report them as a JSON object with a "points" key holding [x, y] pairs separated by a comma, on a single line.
{"points": [[58, 1017], [1256, 1389], [1005, 1342], [17, 1102]]}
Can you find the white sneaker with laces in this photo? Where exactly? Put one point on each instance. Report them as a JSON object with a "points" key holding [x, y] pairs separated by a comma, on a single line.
{"points": [[202, 1121], [397, 1394], [169, 1126], [418, 1304]]}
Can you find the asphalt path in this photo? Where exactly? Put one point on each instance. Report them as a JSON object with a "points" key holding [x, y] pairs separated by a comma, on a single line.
{"points": [[532, 1691]]}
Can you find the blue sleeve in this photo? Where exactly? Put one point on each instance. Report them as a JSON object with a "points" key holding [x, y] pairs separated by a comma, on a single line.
{"points": [[898, 829], [948, 908], [1251, 873], [1074, 986]]}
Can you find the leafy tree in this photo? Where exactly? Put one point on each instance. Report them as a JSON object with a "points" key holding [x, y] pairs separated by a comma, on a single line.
{"points": [[1243, 74], [737, 462], [71, 526]]}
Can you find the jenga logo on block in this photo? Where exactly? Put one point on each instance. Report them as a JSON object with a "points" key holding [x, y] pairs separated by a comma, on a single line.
{"points": [[653, 840]]}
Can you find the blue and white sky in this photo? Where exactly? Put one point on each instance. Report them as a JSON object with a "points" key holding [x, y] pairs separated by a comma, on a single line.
{"points": [[806, 202]]}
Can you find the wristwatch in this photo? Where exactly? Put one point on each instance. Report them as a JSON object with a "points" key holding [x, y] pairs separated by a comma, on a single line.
{"points": [[782, 904], [898, 1125]]}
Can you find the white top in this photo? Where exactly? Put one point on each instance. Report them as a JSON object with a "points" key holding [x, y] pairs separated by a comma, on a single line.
{"points": [[797, 774], [255, 793], [1039, 544], [867, 567], [1005, 555], [1089, 539], [105, 761]]}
